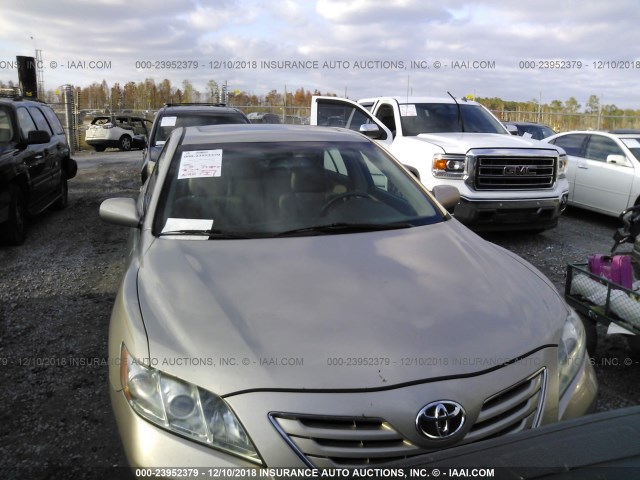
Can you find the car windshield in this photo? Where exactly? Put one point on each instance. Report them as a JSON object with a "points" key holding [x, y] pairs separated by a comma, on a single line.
{"points": [[633, 144], [537, 132], [289, 188], [168, 122], [417, 118], [6, 130]]}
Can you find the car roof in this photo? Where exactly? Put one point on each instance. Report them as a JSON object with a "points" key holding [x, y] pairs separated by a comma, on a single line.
{"points": [[404, 99], [232, 133], [624, 131], [18, 99], [197, 107], [119, 115], [536, 124], [600, 132]]}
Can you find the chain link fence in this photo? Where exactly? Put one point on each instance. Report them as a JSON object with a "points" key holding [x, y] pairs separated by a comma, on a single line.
{"points": [[76, 121], [563, 122]]}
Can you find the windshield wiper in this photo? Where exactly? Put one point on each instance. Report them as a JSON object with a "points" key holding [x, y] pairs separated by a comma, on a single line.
{"points": [[344, 228], [212, 233]]}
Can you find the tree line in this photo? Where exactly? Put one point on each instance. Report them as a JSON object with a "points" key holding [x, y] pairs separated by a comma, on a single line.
{"points": [[149, 96]]}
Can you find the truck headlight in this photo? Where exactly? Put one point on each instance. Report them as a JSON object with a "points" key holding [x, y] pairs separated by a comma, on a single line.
{"points": [[571, 350], [449, 166], [183, 408], [563, 163]]}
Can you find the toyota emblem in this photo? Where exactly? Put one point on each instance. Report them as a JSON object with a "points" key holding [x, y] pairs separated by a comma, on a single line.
{"points": [[440, 420]]}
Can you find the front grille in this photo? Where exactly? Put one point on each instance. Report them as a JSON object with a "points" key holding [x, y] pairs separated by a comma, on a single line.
{"points": [[511, 410], [514, 173], [331, 442], [348, 442]]}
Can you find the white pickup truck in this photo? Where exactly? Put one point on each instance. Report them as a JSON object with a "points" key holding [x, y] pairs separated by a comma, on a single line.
{"points": [[505, 182]]}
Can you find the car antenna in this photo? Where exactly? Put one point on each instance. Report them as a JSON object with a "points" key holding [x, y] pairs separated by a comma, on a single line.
{"points": [[460, 120]]}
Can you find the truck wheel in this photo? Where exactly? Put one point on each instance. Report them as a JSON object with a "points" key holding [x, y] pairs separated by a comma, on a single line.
{"points": [[125, 143], [63, 201], [14, 230]]}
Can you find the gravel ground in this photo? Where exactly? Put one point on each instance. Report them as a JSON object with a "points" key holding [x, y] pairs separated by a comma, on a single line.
{"points": [[56, 293]]}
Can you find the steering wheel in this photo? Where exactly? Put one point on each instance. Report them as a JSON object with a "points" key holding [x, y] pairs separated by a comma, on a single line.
{"points": [[342, 197]]}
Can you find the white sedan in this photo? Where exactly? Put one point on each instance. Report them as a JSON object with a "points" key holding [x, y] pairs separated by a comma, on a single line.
{"points": [[604, 169]]}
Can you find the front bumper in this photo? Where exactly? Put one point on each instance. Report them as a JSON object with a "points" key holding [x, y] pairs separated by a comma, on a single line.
{"points": [[268, 417], [517, 214]]}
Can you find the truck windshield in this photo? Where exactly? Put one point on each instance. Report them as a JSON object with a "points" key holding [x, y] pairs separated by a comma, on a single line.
{"points": [[417, 118]]}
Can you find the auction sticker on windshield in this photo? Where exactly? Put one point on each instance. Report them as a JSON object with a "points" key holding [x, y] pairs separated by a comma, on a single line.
{"points": [[408, 110], [200, 163], [168, 121]]}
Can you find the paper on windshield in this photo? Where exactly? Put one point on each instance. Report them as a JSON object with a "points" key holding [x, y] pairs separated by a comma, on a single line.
{"points": [[177, 224], [168, 121], [408, 110], [200, 164]]}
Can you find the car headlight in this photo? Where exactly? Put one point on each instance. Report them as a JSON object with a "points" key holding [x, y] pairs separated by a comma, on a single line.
{"points": [[183, 408], [571, 350], [563, 163], [449, 166]]}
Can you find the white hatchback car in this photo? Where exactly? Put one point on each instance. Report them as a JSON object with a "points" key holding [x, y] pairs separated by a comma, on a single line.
{"points": [[117, 131], [604, 169]]}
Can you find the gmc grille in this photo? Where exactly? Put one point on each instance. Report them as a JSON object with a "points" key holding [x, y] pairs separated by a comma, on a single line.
{"points": [[514, 173]]}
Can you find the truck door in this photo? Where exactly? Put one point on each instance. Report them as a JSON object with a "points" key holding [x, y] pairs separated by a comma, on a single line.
{"points": [[340, 112]]}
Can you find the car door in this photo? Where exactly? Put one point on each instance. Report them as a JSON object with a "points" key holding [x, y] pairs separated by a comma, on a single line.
{"points": [[54, 151], [35, 158], [603, 182], [340, 112]]}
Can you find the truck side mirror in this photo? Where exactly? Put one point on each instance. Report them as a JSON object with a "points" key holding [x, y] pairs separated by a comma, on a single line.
{"points": [[371, 130]]}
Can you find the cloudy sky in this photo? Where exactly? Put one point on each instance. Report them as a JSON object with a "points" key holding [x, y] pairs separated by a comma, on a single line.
{"points": [[516, 50]]}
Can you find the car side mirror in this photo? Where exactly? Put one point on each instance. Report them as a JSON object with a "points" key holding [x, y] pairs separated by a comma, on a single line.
{"points": [[37, 137], [414, 171], [371, 130], [617, 159], [447, 195], [512, 129], [140, 140], [120, 211]]}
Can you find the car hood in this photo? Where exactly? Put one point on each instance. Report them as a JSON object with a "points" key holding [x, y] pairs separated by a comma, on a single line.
{"points": [[352, 311], [463, 142]]}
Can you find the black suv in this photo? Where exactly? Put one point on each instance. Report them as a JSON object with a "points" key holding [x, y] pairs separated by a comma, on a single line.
{"points": [[174, 115], [35, 164]]}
